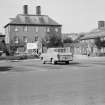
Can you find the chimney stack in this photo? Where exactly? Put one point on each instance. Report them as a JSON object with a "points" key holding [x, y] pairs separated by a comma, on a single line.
{"points": [[101, 24], [25, 9], [38, 10]]}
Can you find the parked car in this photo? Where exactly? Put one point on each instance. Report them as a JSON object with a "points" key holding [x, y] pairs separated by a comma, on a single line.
{"points": [[55, 55]]}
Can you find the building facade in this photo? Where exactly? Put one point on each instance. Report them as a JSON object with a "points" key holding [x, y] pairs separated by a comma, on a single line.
{"points": [[87, 43], [29, 28]]}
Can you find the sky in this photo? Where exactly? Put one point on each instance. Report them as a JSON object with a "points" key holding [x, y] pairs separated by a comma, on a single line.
{"points": [[75, 16]]}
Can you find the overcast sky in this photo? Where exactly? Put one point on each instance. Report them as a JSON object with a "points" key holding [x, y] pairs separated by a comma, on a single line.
{"points": [[74, 15]]}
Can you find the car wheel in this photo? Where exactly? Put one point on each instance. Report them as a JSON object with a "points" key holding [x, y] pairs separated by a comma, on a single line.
{"points": [[53, 61], [44, 62], [67, 62], [41, 58]]}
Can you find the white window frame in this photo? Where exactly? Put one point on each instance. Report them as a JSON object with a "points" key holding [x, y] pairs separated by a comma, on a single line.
{"points": [[16, 40], [44, 29], [56, 29], [48, 29], [25, 28], [102, 38], [36, 29], [36, 37], [8, 28], [25, 39], [16, 29], [83, 41]]}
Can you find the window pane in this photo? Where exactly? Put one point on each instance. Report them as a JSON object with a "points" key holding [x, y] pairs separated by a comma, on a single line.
{"points": [[16, 40], [36, 38], [24, 38], [16, 29], [36, 29], [56, 29], [48, 29], [8, 28], [25, 28], [44, 29]]}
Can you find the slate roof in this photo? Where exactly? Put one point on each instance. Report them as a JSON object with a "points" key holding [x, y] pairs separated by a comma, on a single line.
{"points": [[42, 20], [94, 34]]}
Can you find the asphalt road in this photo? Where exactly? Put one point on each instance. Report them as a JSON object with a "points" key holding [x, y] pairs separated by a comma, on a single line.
{"points": [[29, 82]]}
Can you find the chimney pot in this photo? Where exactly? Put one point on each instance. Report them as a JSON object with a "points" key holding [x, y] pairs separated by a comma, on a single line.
{"points": [[38, 10], [101, 24], [25, 9]]}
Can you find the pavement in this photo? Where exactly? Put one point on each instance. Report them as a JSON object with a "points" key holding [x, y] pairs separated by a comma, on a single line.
{"points": [[88, 57], [80, 56]]}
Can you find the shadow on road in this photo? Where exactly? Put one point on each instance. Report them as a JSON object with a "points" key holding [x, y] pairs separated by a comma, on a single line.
{"points": [[5, 68], [71, 63], [74, 63]]}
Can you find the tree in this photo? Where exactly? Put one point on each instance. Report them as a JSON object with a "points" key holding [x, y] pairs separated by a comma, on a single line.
{"points": [[68, 40], [52, 39], [3, 47]]}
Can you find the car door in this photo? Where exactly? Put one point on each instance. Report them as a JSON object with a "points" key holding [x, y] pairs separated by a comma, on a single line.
{"points": [[49, 56]]}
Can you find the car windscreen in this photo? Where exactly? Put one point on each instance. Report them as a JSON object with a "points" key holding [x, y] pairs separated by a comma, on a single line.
{"points": [[60, 50]]}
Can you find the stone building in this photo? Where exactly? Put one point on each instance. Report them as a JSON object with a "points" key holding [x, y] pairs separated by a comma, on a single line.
{"points": [[87, 44], [29, 28]]}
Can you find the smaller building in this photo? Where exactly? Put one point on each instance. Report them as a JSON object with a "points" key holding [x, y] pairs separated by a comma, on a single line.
{"points": [[87, 43]]}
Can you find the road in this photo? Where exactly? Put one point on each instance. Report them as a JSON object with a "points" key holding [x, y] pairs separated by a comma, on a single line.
{"points": [[29, 82]]}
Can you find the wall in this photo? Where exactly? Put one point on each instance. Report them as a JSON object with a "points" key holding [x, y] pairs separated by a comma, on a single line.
{"points": [[30, 34], [12, 30]]}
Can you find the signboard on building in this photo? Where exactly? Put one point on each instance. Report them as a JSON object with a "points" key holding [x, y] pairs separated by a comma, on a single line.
{"points": [[32, 46]]}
